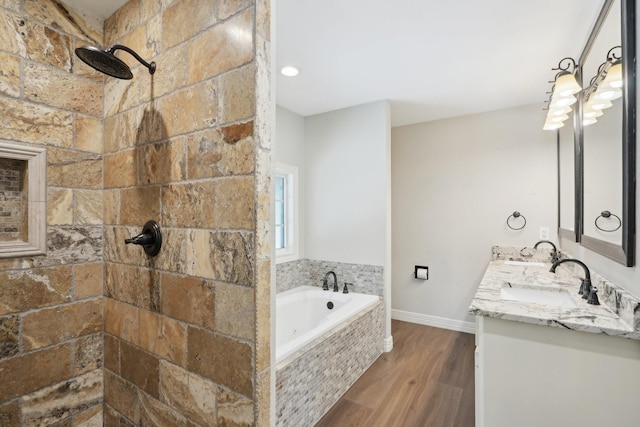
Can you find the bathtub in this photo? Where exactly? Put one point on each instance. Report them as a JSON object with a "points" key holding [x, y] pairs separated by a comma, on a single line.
{"points": [[302, 315], [321, 352]]}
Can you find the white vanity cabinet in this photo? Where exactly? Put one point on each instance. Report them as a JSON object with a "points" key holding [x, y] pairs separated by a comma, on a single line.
{"points": [[539, 376]]}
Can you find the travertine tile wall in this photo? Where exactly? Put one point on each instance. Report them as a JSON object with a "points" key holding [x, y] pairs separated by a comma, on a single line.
{"points": [[51, 347], [187, 332]]}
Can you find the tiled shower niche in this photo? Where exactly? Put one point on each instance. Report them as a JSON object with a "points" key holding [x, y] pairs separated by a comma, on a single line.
{"points": [[22, 200], [13, 200]]}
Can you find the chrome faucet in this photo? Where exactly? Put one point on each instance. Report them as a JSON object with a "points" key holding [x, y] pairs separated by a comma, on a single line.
{"points": [[585, 284], [325, 285], [554, 253]]}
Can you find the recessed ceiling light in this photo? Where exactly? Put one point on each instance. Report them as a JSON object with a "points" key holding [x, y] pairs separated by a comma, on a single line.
{"points": [[289, 71]]}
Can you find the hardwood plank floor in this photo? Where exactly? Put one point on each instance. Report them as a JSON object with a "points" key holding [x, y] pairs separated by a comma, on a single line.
{"points": [[427, 380]]}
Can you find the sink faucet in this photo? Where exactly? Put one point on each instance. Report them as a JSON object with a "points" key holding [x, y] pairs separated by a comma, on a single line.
{"points": [[554, 253], [325, 285], [585, 284]]}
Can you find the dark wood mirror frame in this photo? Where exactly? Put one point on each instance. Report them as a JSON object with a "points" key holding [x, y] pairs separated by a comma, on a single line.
{"points": [[625, 252]]}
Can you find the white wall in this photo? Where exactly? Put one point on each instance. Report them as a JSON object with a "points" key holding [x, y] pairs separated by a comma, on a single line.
{"points": [[289, 149], [454, 183], [289, 145], [345, 176], [346, 182]]}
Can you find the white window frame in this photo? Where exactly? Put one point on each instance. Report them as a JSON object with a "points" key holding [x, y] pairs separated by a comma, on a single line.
{"points": [[290, 251]]}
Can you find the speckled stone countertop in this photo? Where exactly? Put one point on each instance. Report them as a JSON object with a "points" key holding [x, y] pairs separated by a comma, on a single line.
{"points": [[617, 315]]}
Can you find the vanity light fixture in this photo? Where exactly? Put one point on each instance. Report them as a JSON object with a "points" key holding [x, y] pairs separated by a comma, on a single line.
{"points": [[565, 86], [606, 85], [289, 71]]}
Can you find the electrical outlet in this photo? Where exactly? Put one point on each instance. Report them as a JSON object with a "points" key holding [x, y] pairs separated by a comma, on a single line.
{"points": [[544, 233]]}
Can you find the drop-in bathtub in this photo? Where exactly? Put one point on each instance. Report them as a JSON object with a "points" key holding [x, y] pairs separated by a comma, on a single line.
{"points": [[321, 352], [302, 315]]}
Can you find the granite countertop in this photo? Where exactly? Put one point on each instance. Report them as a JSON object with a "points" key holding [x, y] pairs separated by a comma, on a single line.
{"points": [[602, 319]]}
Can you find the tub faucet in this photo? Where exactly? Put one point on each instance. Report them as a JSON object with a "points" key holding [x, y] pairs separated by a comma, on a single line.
{"points": [[554, 253], [325, 285], [585, 284]]}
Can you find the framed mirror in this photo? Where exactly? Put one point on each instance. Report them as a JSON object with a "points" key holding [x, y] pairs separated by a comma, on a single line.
{"points": [[607, 154], [566, 146]]}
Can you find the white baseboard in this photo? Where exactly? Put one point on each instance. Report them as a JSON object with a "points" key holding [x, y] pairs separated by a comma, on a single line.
{"points": [[435, 321], [388, 344]]}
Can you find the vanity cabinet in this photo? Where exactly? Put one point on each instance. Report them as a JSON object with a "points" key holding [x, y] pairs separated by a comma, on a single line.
{"points": [[530, 376]]}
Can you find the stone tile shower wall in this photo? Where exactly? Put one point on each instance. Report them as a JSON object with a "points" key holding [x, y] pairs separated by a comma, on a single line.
{"points": [[189, 147], [366, 279], [51, 348], [187, 332]]}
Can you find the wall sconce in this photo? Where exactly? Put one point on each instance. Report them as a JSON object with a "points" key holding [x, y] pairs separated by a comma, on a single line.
{"points": [[565, 86], [603, 88]]}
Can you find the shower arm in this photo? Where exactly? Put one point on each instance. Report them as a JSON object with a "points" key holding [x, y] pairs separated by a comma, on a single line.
{"points": [[151, 66]]}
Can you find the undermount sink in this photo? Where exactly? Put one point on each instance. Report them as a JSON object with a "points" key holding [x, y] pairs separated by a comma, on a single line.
{"points": [[537, 295], [525, 263]]}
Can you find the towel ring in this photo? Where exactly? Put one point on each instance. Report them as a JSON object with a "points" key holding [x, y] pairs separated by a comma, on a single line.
{"points": [[607, 214], [516, 214]]}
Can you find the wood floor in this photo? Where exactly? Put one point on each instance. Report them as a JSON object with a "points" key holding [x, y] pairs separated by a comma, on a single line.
{"points": [[427, 380]]}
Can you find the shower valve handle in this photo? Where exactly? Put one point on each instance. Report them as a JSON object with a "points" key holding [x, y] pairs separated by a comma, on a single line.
{"points": [[150, 238], [141, 239]]}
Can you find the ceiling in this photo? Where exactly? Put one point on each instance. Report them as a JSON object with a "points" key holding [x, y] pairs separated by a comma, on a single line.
{"points": [[101, 9], [430, 59]]}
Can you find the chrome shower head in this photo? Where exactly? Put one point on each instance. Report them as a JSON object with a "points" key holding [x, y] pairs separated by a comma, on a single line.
{"points": [[106, 62]]}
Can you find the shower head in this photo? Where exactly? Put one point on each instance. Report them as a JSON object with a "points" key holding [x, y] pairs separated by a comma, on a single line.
{"points": [[106, 62]]}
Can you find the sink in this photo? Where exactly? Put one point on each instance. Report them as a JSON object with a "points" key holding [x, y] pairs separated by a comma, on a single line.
{"points": [[525, 263], [537, 295]]}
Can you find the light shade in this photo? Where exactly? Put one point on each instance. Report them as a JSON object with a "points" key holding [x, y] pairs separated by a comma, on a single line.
{"points": [[590, 113], [614, 76], [566, 85], [552, 126], [562, 101], [606, 93], [598, 104], [559, 111], [557, 119], [588, 121]]}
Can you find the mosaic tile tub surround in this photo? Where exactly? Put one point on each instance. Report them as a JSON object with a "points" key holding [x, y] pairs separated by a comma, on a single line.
{"points": [[310, 381], [366, 279], [307, 386]]}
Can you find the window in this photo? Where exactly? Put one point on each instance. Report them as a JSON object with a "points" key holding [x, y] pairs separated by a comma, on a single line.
{"points": [[286, 212]]}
